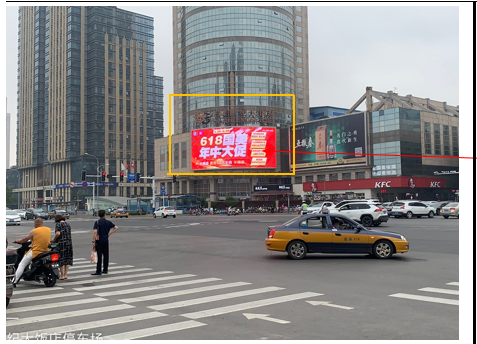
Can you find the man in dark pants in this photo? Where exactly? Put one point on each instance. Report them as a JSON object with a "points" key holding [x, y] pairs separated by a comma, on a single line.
{"points": [[101, 236]]}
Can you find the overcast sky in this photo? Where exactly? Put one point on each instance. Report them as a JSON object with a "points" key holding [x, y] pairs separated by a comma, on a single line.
{"points": [[409, 49]]}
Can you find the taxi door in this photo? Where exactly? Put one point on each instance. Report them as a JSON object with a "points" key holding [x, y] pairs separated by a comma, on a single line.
{"points": [[317, 234], [346, 240]]}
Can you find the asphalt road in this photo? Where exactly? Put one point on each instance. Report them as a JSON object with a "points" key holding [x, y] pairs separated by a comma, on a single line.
{"points": [[194, 277]]}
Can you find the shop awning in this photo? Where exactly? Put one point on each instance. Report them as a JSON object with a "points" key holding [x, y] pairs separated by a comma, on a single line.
{"points": [[273, 192]]}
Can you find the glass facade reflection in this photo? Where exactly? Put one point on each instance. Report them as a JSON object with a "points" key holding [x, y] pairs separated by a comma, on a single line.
{"points": [[234, 50]]}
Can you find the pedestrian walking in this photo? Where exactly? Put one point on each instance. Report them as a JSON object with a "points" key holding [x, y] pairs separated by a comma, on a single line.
{"points": [[101, 233], [63, 238]]}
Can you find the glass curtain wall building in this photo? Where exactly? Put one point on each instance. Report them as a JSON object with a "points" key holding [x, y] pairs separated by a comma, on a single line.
{"points": [[87, 97], [240, 50]]}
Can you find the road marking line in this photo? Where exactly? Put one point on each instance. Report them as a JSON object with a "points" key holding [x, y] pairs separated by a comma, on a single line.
{"points": [[75, 267], [250, 316], [28, 291], [329, 304], [69, 314], [426, 298], [80, 232], [248, 305], [453, 283], [54, 305], [93, 268], [213, 298], [81, 278], [44, 297], [156, 330], [122, 284], [95, 324], [161, 286], [439, 290]]}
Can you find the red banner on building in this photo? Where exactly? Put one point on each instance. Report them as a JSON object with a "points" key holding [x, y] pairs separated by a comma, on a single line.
{"points": [[233, 147], [376, 183]]}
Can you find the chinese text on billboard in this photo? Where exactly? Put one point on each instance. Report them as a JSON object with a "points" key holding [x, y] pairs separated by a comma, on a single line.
{"points": [[234, 147]]}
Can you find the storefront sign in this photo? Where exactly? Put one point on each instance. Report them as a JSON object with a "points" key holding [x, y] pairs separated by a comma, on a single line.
{"points": [[232, 117], [272, 187], [318, 143], [233, 147]]}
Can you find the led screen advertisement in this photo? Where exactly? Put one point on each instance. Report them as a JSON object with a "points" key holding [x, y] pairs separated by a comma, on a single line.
{"points": [[335, 141], [233, 147]]}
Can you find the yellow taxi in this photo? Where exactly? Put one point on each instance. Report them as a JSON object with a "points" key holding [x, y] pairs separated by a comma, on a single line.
{"points": [[54, 212], [332, 233], [120, 212]]}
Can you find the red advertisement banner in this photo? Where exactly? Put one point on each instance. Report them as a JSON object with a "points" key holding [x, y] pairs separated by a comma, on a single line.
{"points": [[233, 147]]}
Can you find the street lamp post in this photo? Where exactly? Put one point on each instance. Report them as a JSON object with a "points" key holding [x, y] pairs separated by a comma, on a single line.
{"points": [[18, 193], [97, 169]]}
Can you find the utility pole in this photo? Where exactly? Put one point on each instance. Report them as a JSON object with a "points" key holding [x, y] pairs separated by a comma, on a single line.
{"points": [[153, 191]]}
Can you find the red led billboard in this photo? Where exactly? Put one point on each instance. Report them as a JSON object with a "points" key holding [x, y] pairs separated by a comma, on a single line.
{"points": [[233, 147]]}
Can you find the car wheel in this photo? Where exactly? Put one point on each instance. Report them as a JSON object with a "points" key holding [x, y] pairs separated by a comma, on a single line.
{"points": [[154, 215], [127, 216], [163, 216], [383, 249], [367, 221], [446, 217], [431, 214], [296, 250], [438, 211], [173, 216], [409, 215], [8, 301]]}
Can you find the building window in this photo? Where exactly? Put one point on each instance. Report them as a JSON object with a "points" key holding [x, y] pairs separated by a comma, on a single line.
{"points": [[300, 80], [437, 139], [334, 176], [360, 175], [299, 59], [298, 179], [309, 178], [446, 137], [427, 138], [321, 178], [346, 176], [299, 49], [298, 39], [298, 8], [298, 28], [455, 141], [299, 70], [298, 19]]}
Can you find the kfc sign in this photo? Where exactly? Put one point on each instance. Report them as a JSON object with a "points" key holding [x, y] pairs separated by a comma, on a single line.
{"points": [[435, 184], [383, 184], [233, 147]]}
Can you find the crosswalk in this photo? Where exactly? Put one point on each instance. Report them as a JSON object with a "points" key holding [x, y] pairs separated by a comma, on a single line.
{"points": [[451, 299], [132, 303]]}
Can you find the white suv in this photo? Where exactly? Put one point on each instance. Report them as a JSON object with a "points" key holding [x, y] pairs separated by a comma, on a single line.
{"points": [[367, 213], [410, 208], [164, 212], [315, 207]]}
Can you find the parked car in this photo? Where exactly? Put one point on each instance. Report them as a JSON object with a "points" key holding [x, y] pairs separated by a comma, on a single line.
{"points": [[366, 213], [315, 234], [13, 218], [120, 212], [36, 213], [164, 212], [22, 213], [315, 207], [54, 212], [451, 209], [411, 208]]}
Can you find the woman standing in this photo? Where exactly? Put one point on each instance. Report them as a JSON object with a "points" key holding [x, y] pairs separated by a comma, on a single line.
{"points": [[63, 237]]}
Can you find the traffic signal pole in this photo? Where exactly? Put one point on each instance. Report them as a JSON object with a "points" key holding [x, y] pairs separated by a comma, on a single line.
{"points": [[153, 191]]}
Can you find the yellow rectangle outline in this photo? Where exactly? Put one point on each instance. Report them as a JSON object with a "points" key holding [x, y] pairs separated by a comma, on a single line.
{"points": [[227, 174]]}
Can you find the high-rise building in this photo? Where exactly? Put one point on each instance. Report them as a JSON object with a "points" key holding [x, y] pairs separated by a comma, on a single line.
{"points": [[87, 99], [7, 165], [246, 57]]}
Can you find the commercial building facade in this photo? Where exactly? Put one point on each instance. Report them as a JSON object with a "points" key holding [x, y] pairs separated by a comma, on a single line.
{"points": [[87, 99]]}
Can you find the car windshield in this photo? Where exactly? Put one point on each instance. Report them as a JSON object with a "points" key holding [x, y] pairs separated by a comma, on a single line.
{"points": [[316, 204], [11, 212], [286, 224], [452, 205]]}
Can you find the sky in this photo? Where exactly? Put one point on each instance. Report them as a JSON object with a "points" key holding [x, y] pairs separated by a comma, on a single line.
{"points": [[407, 49]]}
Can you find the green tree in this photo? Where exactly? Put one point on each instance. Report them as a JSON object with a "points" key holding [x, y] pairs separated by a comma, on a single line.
{"points": [[11, 199], [230, 201]]}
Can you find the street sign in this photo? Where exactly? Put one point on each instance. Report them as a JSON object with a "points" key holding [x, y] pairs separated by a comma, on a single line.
{"points": [[60, 198], [163, 193], [72, 184], [84, 184], [131, 177], [139, 200], [163, 187]]}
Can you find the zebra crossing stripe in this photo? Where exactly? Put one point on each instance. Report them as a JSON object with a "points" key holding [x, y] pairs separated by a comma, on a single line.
{"points": [[83, 262], [94, 324], [156, 287], [426, 298], [147, 332], [93, 269], [248, 305], [103, 278], [213, 298], [40, 289], [54, 305], [439, 290], [122, 284], [453, 283], [80, 279], [44, 297], [70, 314], [183, 292]]}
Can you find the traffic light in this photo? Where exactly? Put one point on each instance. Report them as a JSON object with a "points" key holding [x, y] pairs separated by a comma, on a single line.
{"points": [[174, 178], [103, 176], [121, 176], [138, 176], [83, 175]]}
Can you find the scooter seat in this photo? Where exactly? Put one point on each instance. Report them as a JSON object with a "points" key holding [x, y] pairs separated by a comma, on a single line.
{"points": [[41, 255]]}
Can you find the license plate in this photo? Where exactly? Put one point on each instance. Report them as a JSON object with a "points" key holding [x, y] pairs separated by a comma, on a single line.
{"points": [[55, 265], [446, 210], [10, 221], [395, 213], [384, 212]]}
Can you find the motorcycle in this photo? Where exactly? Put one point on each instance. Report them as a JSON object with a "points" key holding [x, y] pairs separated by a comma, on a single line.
{"points": [[11, 260], [43, 268]]}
